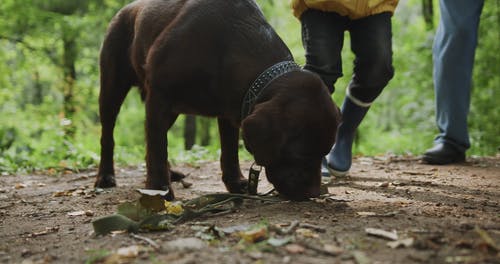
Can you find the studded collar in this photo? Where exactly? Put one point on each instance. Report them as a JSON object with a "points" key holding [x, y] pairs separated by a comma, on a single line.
{"points": [[264, 79]]}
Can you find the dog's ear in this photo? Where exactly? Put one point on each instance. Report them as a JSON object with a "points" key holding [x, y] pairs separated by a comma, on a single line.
{"points": [[262, 136]]}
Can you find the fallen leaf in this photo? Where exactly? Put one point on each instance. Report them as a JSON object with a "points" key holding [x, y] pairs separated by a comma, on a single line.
{"points": [[313, 227], [149, 212], [78, 192], [463, 244], [255, 235], [147, 240], [385, 184], [20, 185], [233, 229], [152, 199], [187, 244], [64, 193], [80, 213], [295, 249], [174, 208], [130, 251], [306, 233], [407, 242], [332, 249], [382, 233], [339, 199], [278, 242], [460, 259], [210, 233], [108, 224], [134, 211], [152, 192], [47, 230], [257, 255], [123, 255], [361, 257], [285, 231], [366, 213], [369, 214]]}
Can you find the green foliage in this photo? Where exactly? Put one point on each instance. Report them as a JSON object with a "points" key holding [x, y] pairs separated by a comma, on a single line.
{"points": [[97, 255], [485, 113], [403, 118], [34, 122]]}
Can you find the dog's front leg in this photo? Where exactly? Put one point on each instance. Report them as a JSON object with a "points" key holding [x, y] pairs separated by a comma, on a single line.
{"points": [[231, 172], [158, 120]]}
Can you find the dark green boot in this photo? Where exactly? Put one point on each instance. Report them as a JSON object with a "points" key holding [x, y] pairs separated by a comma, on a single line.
{"points": [[339, 159]]}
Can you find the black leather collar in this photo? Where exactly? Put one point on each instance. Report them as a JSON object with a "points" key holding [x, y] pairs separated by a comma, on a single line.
{"points": [[264, 79]]}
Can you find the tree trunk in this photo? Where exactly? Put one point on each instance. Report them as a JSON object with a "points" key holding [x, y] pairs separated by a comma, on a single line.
{"points": [[205, 137], [69, 71], [189, 132], [428, 13], [38, 93]]}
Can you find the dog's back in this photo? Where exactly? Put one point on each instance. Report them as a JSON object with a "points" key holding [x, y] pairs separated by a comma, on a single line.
{"points": [[195, 31]]}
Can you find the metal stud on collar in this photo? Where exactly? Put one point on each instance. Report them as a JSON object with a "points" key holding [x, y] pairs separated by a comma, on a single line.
{"points": [[264, 79]]}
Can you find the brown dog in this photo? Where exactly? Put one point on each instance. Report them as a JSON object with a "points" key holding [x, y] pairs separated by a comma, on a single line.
{"points": [[202, 57]]}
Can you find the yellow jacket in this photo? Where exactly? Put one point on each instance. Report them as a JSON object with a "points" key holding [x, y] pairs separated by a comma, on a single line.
{"points": [[354, 9]]}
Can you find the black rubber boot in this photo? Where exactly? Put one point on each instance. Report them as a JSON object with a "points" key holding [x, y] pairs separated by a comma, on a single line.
{"points": [[339, 159]]}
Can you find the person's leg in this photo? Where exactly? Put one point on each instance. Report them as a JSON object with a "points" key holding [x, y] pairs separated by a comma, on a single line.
{"points": [[323, 39], [371, 42], [453, 58]]}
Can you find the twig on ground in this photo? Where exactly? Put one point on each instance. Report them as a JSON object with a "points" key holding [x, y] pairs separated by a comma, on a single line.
{"points": [[313, 227], [286, 231], [318, 249], [148, 240]]}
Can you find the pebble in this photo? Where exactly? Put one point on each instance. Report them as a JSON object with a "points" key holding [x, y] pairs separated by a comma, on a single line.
{"points": [[184, 244]]}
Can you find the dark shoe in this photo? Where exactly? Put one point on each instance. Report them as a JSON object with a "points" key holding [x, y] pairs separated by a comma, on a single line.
{"points": [[442, 154]]}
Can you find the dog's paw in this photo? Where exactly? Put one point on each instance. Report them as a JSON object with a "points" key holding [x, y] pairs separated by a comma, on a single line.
{"points": [[105, 181], [239, 186], [170, 195], [176, 176]]}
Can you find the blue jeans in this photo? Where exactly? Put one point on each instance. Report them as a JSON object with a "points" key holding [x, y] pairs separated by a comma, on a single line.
{"points": [[371, 43], [453, 57]]}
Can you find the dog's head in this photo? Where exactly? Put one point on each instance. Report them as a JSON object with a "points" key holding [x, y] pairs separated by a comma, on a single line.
{"points": [[291, 128]]}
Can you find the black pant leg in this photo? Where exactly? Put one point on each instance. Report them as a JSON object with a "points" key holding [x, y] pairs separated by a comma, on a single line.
{"points": [[371, 42], [323, 39]]}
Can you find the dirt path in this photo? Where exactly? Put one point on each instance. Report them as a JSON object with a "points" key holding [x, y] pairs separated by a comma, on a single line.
{"points": [[440, 214]]}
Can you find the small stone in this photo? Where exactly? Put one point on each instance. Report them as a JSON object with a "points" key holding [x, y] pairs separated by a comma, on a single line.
{"points": [[295, 249], [184, 244]]}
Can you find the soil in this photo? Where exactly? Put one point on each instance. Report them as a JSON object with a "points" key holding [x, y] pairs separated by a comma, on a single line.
{"points": [[431, 214]]}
